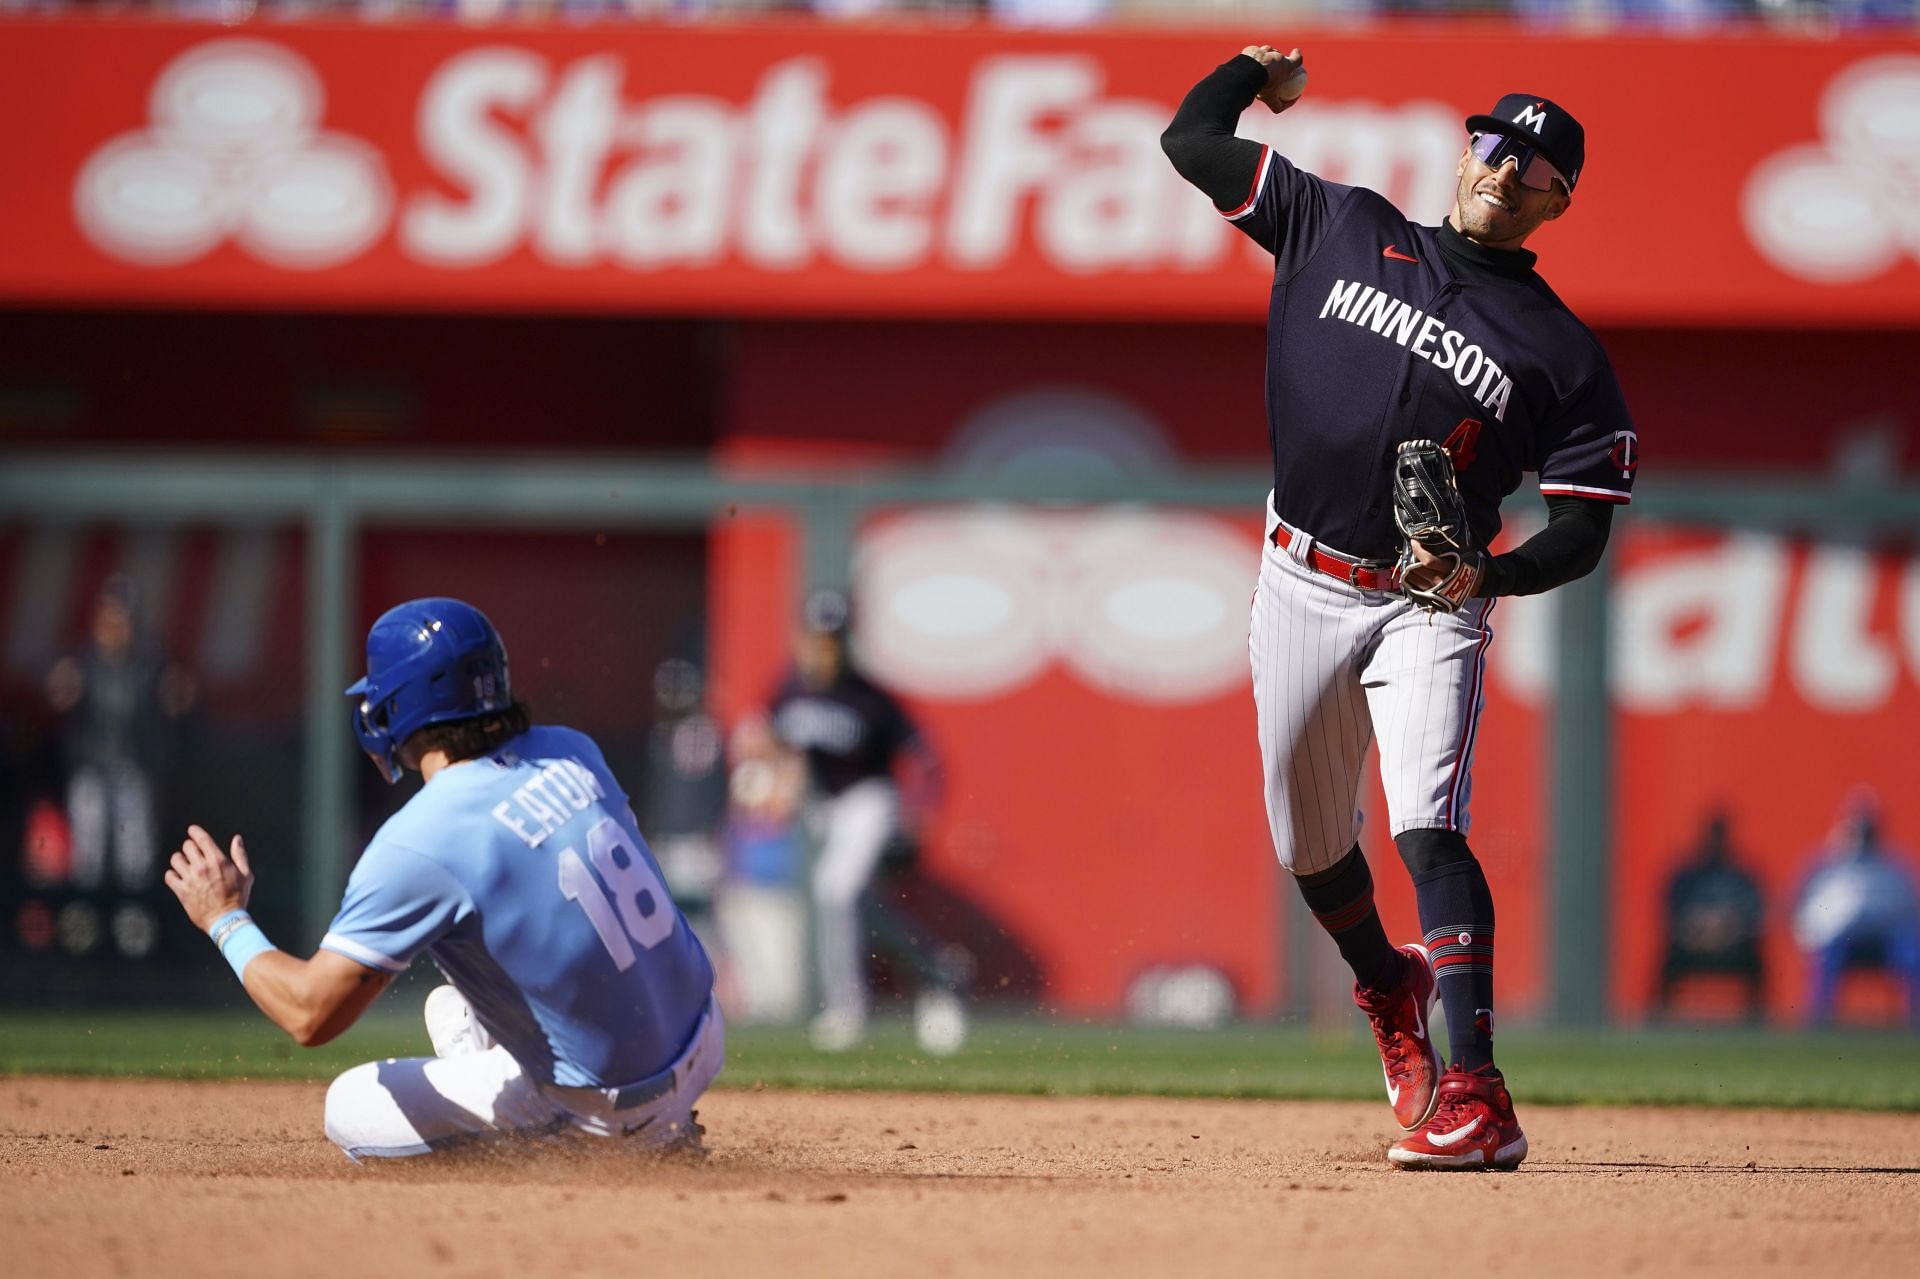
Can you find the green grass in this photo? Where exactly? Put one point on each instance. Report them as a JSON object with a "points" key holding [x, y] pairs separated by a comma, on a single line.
{"points": [[1875, 1071]]}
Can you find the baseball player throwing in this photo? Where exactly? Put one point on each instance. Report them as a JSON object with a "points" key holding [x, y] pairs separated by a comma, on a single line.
{"points": [[1414, 373], [579, 1001]]}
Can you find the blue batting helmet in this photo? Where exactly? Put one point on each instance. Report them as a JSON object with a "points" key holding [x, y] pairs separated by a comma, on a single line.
{"points": [[428, 661]]}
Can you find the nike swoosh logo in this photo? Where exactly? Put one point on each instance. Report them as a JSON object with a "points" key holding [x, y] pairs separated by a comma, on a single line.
{"points": [[1458, 1135], [1419, 1023], [1396, 255]]}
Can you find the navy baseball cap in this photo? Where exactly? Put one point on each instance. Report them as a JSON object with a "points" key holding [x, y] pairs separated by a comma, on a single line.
{"points": [[1542, 122], [828, 612]]}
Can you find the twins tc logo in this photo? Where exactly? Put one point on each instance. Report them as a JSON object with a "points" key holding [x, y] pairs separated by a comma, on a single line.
{"points": [[1625, 453], [234, 150]]}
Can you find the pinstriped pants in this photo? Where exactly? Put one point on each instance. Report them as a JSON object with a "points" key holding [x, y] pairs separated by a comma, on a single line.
{"points": [[1334, 666]]}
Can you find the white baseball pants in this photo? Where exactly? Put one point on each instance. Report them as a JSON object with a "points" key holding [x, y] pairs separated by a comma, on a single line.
{"points": [[112, 806], [854, 827], [472, 1091], [1334, 666], [763, 934]]}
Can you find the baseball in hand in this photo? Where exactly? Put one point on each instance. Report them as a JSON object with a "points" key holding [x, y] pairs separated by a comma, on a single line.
{"points": [[1287, 78]]}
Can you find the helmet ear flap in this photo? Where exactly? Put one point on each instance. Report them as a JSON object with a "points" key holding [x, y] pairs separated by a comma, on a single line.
{"points": [[371, 724]]}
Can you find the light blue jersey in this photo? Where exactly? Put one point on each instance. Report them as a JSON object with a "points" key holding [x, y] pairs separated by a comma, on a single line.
{"points": [[525, 877]]}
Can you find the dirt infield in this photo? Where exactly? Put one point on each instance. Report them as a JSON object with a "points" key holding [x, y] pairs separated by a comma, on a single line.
{"points": [[113, 1178]]}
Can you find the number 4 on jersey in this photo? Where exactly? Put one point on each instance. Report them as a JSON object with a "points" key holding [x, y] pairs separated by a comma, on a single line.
{"points": [[641, 912], [1463, 445]]}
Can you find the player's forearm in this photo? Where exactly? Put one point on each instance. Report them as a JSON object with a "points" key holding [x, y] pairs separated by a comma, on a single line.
{"points": [[311, 1006], [1201, 143], [1567, 549]]}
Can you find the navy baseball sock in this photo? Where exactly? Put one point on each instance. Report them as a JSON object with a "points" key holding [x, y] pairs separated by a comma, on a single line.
{"points": [[1456, 916], [1341, 898]]}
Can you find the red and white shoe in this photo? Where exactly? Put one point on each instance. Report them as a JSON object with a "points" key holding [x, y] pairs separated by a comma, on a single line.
{"points": [[1472, 1127], [1400, 1028]]}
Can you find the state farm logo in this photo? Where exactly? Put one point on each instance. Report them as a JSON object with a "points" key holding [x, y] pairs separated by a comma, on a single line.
{"points": [[1846, 208], [234, 151]]}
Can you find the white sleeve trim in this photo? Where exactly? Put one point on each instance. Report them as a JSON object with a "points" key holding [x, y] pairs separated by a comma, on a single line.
{"points": [[1259, 185], [1582, 490], [361, 954]]}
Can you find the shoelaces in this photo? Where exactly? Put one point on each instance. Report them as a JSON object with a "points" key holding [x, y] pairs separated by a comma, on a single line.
{"points": [[1396, 1046]]}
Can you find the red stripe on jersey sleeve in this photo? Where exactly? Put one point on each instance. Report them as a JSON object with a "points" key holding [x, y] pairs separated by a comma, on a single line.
{"points": [[1582, 490], [1259, 181]]}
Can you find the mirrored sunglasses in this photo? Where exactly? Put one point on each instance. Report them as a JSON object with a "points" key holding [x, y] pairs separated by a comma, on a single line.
{"points": [[1536, 172]]}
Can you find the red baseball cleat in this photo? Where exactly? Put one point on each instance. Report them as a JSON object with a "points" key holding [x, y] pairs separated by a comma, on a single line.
{"points": [[1401, 1029], [1472, 1128]]}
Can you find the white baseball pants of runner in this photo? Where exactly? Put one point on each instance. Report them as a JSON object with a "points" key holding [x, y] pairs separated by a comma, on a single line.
{"points": [[853, 827], [1335, 666], [472, 1091]]}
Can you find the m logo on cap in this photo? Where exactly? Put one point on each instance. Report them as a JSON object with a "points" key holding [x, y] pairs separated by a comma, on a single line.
{"points": [[1533, 117], [1541, 120]]}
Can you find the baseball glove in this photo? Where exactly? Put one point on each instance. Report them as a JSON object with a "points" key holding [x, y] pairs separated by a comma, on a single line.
{"points": [[1429, 511]]}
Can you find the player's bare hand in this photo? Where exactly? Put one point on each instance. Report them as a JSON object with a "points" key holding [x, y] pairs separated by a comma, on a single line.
{"points": [[208, 882], [1456, 576], [66, 685], [1286, 75], [1429, 570]]}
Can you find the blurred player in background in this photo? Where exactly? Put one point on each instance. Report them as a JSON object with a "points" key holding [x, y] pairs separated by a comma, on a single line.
{"points": [[859, 747], [686, 788], [1715, 911], [120, 704], [579, 1001], [1859, 910], [761, 904]]}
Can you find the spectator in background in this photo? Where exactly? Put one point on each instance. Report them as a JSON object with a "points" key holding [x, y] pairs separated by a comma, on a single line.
{"points": [[855, 738], [120, 703], [760, 909], [1859, 909], [686, 789], [1714, 914]]}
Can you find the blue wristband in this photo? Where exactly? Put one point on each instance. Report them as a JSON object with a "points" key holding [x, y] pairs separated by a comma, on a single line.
{"points": [[239, 940]]}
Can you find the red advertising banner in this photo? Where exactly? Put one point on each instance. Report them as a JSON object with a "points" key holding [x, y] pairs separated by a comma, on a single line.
{"points": [[1083, 675], [751, 169]]}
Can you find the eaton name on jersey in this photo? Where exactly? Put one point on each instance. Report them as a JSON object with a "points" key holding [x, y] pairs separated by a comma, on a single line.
{"points": [[1408, 325], [549, 800]]}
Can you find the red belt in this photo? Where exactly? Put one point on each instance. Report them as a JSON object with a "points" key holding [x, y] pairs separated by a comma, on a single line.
{"points": [[1368, 575]]}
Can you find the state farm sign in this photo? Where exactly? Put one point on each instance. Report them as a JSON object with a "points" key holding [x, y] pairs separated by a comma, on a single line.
{"points": [[750, 169], [573, 163]]}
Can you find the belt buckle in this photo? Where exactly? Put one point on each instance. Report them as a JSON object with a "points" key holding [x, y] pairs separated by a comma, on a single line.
{"points": [[1353, 575]]}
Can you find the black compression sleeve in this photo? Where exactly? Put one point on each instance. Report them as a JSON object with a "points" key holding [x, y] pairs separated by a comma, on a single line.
{"points": [[1567, 548], [1200, 140]]}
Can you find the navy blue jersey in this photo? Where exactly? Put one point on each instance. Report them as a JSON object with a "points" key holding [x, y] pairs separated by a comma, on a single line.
{"points": [[1381, 331], [849, 731]]}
